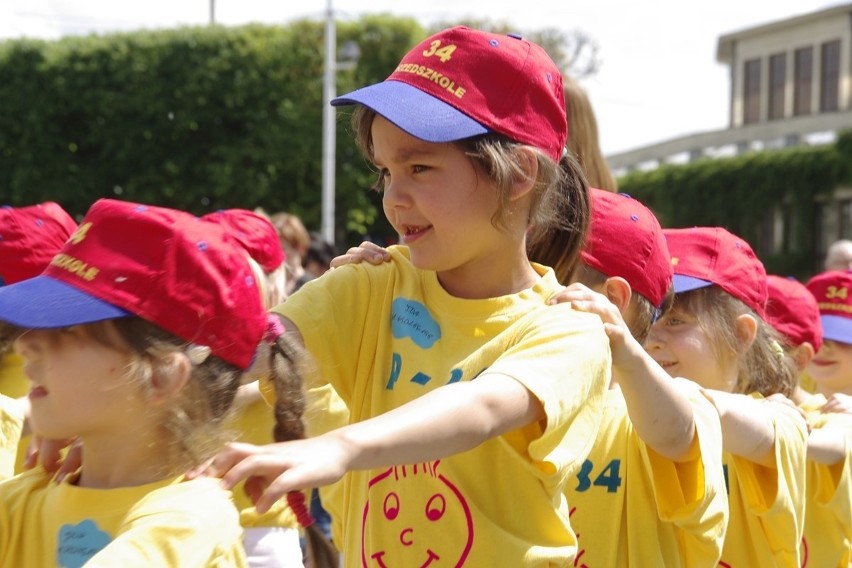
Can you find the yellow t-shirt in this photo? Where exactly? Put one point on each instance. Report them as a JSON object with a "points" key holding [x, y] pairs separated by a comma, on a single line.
{"points": [[14, 384], [11, 423], [386, 335], [828, 513], [632, 507], [254, 425], [170, 523], [767, 504]]}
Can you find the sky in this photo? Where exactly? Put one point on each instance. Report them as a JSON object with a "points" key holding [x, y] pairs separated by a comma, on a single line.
{"points": [[659, 77]]}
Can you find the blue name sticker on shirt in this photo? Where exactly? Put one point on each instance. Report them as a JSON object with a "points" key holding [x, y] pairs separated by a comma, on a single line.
{"points": [[410, 318], [78, 543]]}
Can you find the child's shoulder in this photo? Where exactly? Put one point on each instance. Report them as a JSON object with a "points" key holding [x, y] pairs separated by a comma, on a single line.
{"points": [[25, 484], [203, 496]]}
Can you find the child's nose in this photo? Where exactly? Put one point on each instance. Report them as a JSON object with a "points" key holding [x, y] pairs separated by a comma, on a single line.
{"points": [[654, 339], [394, 195]]}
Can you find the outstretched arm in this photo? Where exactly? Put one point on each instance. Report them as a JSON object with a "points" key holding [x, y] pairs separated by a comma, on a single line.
{"points": [[448, 420], [659, 410], [748, 424], [827, 445]]}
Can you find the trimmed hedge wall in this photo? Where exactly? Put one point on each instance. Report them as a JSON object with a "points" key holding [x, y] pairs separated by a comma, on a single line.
{"points": [[214, 117], [739, 192], [194, 118]]}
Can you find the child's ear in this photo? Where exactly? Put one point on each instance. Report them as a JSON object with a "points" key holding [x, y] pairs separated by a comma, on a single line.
{"points": [[170, 376], [746, 329], [524, 183], [802, 355], [618, 291]]}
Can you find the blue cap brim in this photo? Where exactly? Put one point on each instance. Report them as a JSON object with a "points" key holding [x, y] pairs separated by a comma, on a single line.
{"points": [[683, 283], [414, 111], [43, 302], [836, 328]]}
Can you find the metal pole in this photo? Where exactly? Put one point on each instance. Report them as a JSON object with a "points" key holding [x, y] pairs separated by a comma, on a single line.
{"points": [[212, 12], [329, 131]]}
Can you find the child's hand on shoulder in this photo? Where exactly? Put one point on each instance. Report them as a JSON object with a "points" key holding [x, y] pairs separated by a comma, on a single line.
{"points": [[621, 342], [839, 403], [365, 252], [782, 400]]}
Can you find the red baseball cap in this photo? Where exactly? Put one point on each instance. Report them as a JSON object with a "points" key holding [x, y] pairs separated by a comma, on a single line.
{"points": [[29, 237], [792, 310], [833, 292], [256, 235], [706, 256], [163, 265], [626, 240], [462, 82]]}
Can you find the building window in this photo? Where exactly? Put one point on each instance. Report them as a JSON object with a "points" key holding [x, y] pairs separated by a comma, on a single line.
{"points": [[829, 76], [751, 91], [802, 84], [777, 85]]}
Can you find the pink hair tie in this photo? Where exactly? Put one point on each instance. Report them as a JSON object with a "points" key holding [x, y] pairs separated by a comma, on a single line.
{"points": [[274, 328], [296, 500]]}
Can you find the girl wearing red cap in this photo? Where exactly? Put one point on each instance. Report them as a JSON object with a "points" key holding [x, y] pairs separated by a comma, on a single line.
{"points": [[271, 539], [792, 310], [471, 400], [652, 491], [716, 335], [29, 237], [135, 339]]}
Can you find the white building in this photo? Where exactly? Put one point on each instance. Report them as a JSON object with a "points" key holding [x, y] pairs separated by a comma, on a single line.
{"points": [[791, 84]]}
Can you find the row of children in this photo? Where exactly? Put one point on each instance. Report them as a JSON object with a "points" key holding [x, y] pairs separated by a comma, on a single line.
{"points": [[702, 456], [493, 418], [134, 329]]}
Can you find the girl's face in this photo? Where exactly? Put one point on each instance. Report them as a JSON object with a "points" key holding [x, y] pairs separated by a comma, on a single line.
{"points": [[831, 368], [684, 349], [78, 385], [442, 209]]}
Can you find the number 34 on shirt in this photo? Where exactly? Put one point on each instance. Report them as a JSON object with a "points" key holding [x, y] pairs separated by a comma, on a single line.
{"points": [[607, 476]]}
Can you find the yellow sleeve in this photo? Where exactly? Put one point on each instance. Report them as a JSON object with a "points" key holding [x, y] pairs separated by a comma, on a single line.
{"points": [[777, 494], [11, 425], [569, 373], [832, 484], [692, 494]]}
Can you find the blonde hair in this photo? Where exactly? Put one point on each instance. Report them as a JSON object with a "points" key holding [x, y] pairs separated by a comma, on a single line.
{"points": [[763, 367], [270, 285], [560, 196], [583, 141], [292, 231]]}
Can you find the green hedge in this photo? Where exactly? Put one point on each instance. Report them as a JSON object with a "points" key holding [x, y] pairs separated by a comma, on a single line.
{"points": [[194, 118], [214, 117], [739, 192]]}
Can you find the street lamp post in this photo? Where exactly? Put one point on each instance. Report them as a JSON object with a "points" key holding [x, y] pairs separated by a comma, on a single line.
{"points": [[350, 54], [329, 129]]}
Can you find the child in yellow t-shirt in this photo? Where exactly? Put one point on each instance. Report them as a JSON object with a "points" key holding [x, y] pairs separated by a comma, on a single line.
{"points": [[271, 539], [652, 491], [659, 449], [792, 309], [715, 334], [29, 237], [135, 339], [462, 427]]}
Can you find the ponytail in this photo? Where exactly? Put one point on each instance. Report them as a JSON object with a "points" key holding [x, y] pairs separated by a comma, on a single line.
{"points": [[287, 367], [558, 244]]}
